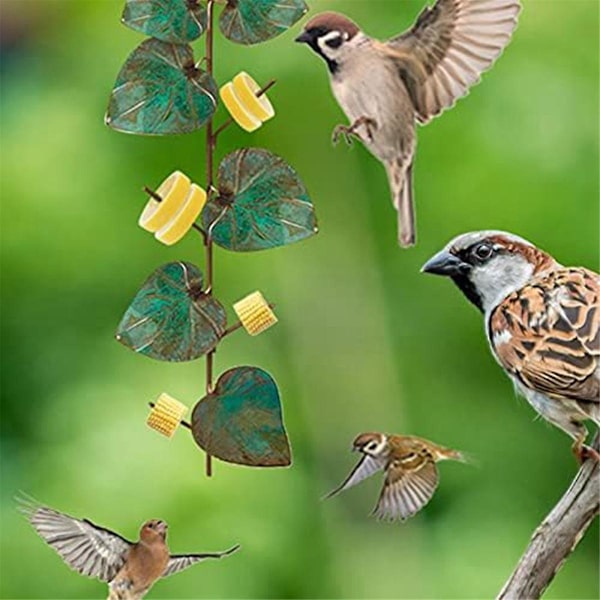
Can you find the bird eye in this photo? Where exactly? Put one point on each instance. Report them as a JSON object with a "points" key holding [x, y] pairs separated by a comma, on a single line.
{"points": [[483, 251], [335, 42]]}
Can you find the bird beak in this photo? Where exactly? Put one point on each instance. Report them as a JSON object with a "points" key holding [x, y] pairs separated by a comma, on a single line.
{"points": [[162, 528], [445, 263], [304, 38]]}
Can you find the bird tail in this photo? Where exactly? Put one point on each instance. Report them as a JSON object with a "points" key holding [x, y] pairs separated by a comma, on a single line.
{"points": [[401, 185], [449, 454]]}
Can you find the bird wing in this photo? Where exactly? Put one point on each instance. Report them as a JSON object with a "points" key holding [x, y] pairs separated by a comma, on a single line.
{"points": [[179, 562], [449, 47], [87, 548], [407, 488], [366, 467], [547, 334]]}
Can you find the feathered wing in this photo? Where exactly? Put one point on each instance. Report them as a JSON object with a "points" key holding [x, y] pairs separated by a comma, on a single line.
{"points": [[547, 335], [179, 562], [366, 467], [406, 491], [87, 548], [449, 47]]}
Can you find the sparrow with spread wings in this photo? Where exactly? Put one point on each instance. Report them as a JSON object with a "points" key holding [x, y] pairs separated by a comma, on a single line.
{"points": [[386, 88], [411, 474], [129, 568], [542, 322]]}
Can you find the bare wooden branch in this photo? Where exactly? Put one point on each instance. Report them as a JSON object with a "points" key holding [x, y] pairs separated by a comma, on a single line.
{"points": [[557, 535]]}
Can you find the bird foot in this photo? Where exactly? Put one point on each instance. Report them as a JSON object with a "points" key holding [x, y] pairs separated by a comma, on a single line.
{"points": [[350, 132], [583, 452]]}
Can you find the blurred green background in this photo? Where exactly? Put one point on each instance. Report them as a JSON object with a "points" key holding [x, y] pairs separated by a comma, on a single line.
{"points": [[365, 342]]}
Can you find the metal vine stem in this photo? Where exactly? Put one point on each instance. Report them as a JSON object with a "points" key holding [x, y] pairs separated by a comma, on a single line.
{"points": [[208, 243], [211, 142]]}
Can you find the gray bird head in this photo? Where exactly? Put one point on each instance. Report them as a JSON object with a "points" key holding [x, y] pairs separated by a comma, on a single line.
{"points": [[332, 36], [487, 266]]}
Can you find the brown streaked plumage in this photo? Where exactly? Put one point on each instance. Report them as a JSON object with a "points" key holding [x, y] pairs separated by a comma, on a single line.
{"points": [[386, 88], [411, 475], [542, 322], [129, 568]]}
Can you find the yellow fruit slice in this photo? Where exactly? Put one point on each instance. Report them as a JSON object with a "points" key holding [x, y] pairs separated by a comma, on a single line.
{"points": [[254, 313], [240, 114], [166, 415], [173, 191], [183, 220], [245, 89]]}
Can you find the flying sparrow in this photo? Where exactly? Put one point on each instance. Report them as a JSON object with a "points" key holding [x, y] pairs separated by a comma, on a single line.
{"points": [[386, 88], [129, 568], [542, 322], [411, 475]]}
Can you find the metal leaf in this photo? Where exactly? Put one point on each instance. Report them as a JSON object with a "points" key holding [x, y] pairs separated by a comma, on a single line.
{"points": [[241, 421], [262, 203], [254, 21], [159, 91], [171, 318], [176, 21]]}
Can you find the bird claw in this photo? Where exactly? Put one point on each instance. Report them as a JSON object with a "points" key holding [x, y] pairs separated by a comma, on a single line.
{"points": [[350, 132], [583, 453], [369, 124], [342, 131]]}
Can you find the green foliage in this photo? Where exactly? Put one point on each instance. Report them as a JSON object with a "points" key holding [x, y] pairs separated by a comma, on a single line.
{"points": [[159, 91], [254, 21], [262, 203], [364, 342], [175, 21], [241, 421], [171, 318]]}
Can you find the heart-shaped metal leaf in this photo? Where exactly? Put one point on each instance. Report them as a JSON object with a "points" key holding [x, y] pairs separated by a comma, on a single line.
{"points": [[159, 91], [254, 21], [171, 318], [175, 21], [241, 421], [262, 203]]}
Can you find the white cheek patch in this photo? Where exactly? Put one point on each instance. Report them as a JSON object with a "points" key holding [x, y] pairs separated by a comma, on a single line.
{"points": [[499, 277], [335, 38]]}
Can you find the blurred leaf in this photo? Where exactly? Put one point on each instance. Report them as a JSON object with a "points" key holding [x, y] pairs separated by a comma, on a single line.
{"points": [[159, 91], [262, 203], [241, 421], [176, 21], [254, 21], [170, 318]]}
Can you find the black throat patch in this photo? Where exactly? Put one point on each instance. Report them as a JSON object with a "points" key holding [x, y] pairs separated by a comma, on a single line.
{"points": [[465, 285]]}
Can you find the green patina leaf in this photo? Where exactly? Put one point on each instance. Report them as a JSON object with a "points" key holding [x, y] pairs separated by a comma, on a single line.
{"points": [[170, 318], [254, 21], [176, 21], [262, 203], [241, 421], [159, 91]]}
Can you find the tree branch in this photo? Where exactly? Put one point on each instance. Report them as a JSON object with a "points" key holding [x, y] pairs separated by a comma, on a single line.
{"points": [[557, 536]]}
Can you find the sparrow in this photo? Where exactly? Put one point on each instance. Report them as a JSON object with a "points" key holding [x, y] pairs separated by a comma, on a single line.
{"points": [[542, 321], [129, 568], [411, 475], [386, 88]]}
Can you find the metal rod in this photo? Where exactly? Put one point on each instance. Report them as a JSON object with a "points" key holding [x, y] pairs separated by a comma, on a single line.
{"points": [[208, 244]]}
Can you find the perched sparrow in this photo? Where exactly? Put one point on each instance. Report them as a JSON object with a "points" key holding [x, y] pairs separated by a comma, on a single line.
{"points": [[129, 568], [411, 476], [385, 88], [542, 322]]}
